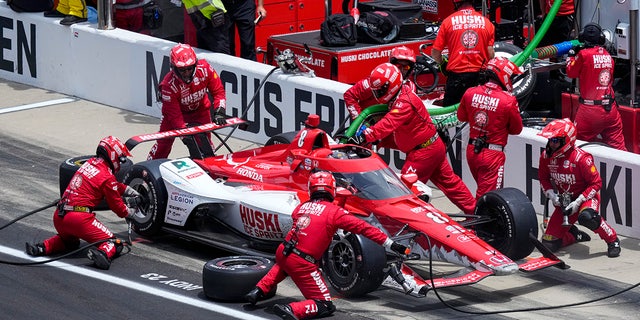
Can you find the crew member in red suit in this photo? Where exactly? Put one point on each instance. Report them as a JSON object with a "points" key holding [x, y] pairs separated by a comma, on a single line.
{"points": [[360, 96], [493, 114], [569, 178], [598, 110], [314, 224], [74, 218], [185, 99], [409, 124], [469, 37]]}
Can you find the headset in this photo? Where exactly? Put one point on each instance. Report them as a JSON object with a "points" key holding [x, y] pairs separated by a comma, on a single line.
{"points": [[592, 31]]}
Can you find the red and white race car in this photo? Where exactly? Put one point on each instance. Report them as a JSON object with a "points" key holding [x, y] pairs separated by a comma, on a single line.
{"points": [[242, 202]]}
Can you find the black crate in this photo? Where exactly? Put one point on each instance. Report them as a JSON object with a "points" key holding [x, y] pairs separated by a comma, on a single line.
{"points": [[400, 9]]}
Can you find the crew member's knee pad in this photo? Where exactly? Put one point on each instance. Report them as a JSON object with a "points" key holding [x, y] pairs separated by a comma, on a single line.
{"points": [[325, 308], [552, 244], [590, 219]]}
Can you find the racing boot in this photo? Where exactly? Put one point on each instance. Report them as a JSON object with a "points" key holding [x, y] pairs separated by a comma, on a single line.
{"points": [[284, 311], [35, 250], [579, 235], [99, 258], [254, 295], [613, 248]]}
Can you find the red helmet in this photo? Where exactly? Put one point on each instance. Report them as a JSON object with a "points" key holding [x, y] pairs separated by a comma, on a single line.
{"points": [[561, 131], [183, 62], [385, 81], [501, 69], [113, 151], [322, 184], [403, 58]]}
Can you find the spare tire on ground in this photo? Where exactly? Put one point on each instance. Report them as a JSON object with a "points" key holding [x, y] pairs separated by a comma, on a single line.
{"points": [[230, 278]]}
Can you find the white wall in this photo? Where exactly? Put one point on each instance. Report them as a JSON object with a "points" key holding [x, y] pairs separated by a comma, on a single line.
{"points": [[122, 69]]}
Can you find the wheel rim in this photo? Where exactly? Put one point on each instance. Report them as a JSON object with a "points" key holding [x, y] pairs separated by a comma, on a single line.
{"points": [[495, 231], [342, 261], [145, 214]]}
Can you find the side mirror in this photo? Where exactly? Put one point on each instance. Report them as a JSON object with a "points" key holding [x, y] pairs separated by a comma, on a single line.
{"points": [[409, 179], [341, 196]]}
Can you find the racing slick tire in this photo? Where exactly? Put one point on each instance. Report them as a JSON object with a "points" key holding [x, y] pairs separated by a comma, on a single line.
{"points": [[283, 138], [353, 265], [512, 218], [230, 278], [146, 179], [69, 167]]}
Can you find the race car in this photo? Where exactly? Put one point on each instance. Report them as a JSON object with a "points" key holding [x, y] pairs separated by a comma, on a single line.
{"points": [[242, 202]]}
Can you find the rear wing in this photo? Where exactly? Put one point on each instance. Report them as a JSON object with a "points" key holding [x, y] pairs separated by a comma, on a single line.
{"points": [[190, 135]]}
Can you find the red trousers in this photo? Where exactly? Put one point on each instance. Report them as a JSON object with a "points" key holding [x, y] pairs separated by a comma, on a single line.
{"points": [[75, 226]]}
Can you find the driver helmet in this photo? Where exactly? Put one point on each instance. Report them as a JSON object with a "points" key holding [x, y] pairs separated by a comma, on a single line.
{"points": [[385, 81], [183, 62], [403, 58], [322, 184], [113, 151], [502, 70], [561, 132]]}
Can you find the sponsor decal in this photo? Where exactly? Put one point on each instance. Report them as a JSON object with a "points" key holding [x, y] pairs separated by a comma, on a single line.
{"points": [[261, 224], [194, 175], [249, 173], [181, 198]]}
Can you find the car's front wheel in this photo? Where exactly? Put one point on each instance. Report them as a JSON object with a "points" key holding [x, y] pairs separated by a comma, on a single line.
{"points": [[353, 265], [146, 179], [511, 218]]}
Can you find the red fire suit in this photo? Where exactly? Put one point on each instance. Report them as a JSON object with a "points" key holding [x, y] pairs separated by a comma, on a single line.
{"points": [[315, 223], [594, 69], [92, 182], [409, 122], [184, 103], [468, 35], [573, 172], [359, 97], [493, 115]]}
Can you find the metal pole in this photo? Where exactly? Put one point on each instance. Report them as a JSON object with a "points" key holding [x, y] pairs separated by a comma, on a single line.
{"points": [[105, 14], [633, 49]]}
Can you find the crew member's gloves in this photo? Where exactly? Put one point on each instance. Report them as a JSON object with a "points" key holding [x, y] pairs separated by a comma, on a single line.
{"points": [[132, 202], [219, 116], [359, 140], [353, 112], [400, 249], [574, 51], [575, 205], [131, 192], [132, 213], [443, 66], [553, 196]]}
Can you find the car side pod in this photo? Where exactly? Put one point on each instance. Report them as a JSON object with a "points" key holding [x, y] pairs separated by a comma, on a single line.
{"points": [[548, 259]]}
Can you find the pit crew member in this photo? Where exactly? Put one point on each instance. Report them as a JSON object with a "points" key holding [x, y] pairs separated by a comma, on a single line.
{"points": [[314, 224], [493, 114], [360, 96], [598, 110], [185, 99], [74, 218], [469, 38], [413, 132], [569, 178]]}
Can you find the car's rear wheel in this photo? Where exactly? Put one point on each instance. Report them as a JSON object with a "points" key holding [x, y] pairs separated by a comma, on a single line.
{"points": [[353, 265], [511, 219], [283, 138], [146, 179], [230, 278], [69, 167]]}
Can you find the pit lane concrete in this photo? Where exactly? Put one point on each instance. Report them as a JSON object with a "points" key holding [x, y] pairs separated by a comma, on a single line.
{"points": [[34, 140]]}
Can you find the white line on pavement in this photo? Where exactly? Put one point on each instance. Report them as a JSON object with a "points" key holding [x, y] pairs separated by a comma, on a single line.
{"points": [[136, 286], [36, 105]]}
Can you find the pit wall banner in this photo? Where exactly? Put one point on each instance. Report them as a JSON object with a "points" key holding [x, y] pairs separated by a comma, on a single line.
{"points": [[122, 69]]}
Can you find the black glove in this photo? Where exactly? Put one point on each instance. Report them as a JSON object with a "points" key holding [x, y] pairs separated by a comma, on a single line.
{"points": [[574, 51], [401, 249], [219, 117]]}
